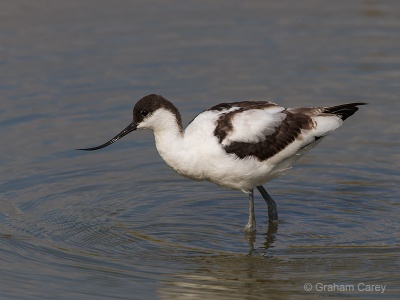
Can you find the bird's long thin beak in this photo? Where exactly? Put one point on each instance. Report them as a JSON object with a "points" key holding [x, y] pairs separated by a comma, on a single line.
{"points": [[131, 127]]}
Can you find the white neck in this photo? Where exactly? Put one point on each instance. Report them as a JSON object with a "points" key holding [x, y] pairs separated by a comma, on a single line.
{"points": [[169, 142], [169, 139]]}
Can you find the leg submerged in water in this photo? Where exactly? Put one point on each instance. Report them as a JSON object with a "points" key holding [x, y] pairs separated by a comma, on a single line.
{"points": [[272, 209], [251, 224]]}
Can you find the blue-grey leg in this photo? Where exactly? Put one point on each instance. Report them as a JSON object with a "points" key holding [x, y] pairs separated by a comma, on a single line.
{"points": [[251, 224], [272, 210]]}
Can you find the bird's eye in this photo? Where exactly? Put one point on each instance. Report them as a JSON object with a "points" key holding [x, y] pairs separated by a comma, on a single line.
{"points": [[144, 113]]}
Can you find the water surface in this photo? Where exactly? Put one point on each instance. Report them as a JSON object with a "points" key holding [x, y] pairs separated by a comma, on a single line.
{"points": [[118, 223]]}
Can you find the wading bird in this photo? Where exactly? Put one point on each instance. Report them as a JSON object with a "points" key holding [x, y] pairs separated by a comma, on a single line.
{"points": [[238, 145]]}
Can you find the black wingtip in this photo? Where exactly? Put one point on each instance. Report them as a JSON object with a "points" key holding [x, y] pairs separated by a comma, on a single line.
{"points": [[344, 110]]}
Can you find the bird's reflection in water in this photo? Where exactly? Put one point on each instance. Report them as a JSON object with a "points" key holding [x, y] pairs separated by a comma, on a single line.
{"points": [[269, 237], [229, 276]]}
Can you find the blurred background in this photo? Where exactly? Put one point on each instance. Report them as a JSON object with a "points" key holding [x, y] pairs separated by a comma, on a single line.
{"points": [[118, 223]]}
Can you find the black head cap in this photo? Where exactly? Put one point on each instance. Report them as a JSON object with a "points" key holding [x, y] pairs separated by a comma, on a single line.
{"points": [[149, 104]]}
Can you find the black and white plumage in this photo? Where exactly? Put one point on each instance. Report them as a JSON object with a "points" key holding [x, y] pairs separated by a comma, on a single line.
{"points": [[239, 145]]}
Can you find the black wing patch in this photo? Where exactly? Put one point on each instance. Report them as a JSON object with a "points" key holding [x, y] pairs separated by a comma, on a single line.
{"points": [[224, 122], [284, 135]]}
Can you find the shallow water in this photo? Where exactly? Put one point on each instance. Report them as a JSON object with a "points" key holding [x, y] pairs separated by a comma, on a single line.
{"points": [[119, 224]]}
